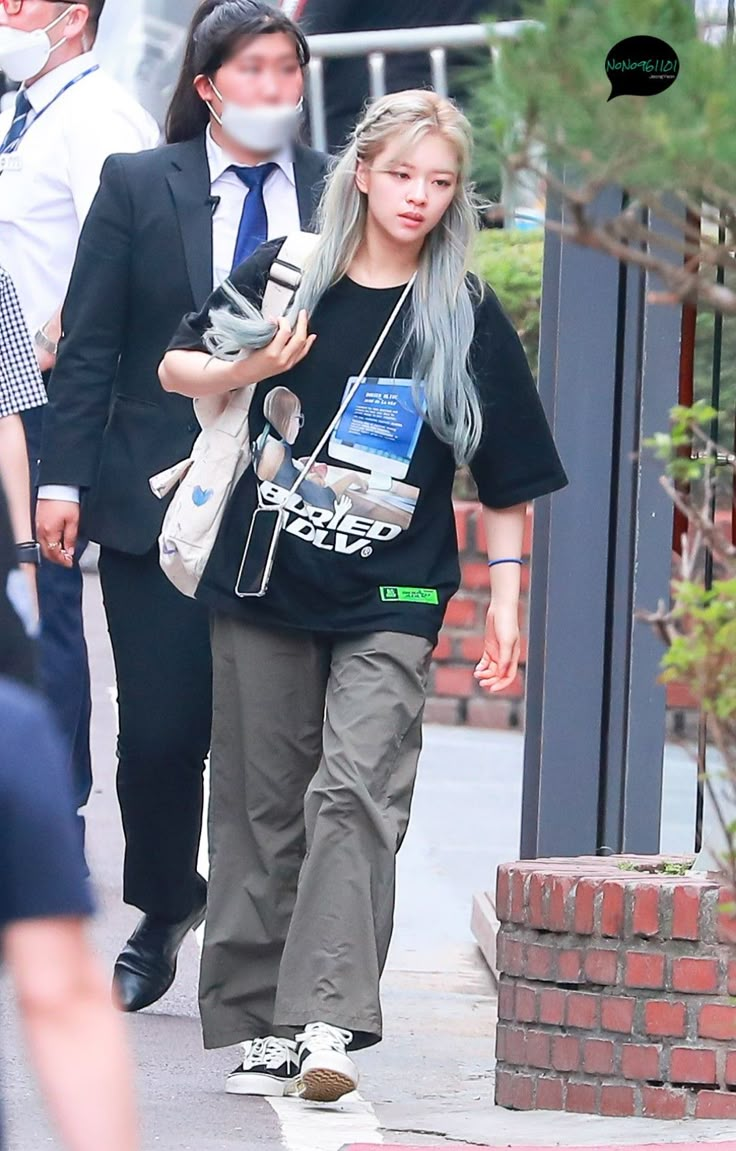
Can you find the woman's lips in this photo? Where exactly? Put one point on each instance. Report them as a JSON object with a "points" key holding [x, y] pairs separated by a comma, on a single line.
{"points": [[411, 219]]}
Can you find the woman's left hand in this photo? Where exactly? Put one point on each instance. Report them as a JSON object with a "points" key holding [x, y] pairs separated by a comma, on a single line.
{"points": [[500, 660]]}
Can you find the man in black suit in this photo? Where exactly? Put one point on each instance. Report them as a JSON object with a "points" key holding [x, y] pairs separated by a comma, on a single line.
{"points": [[165, 227]]}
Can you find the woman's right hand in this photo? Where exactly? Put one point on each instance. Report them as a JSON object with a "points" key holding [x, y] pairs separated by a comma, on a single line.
{"points": [[57, 528], [286, 349]]}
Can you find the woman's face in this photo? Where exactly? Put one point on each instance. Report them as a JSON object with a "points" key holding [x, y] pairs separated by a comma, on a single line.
{"points": [[409, 190], [265, 71]]}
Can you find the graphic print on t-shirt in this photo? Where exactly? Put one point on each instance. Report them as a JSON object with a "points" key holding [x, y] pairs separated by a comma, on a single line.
{"points": [[345, 510], [380, 426]]}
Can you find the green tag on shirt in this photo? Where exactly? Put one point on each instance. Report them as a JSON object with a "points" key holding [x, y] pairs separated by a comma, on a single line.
{"points": [[409, 595]]}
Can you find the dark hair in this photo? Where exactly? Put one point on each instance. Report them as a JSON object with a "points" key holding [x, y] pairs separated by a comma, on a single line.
{"points": [[217, 32], [95, 11]]}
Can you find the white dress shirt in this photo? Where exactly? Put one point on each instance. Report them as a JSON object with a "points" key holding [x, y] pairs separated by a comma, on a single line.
{"points": [[47, 189], [50, 181], [279, 196]]}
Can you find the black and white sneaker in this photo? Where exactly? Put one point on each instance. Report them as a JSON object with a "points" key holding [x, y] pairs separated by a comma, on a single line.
{"points": [[326, 1071], [270, 1067]]}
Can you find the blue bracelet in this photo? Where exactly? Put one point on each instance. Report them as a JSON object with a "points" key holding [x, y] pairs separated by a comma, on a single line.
{"points": [[508, 561]]}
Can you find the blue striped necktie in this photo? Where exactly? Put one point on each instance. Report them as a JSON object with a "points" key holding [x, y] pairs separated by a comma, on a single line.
{"points": [[22, 110], [253, 229]]}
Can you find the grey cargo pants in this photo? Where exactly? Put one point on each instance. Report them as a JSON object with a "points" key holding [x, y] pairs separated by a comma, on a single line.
{"points": [[314, 751]]}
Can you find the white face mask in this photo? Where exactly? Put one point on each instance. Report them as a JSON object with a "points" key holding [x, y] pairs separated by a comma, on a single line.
{"points": [[267, 128], [25, 54]]}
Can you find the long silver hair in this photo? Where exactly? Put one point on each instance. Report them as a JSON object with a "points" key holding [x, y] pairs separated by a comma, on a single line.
{"points": [[440, 326]]}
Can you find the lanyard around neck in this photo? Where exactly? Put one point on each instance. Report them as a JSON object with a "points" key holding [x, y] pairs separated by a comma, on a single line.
{"points": [[13, 147]]}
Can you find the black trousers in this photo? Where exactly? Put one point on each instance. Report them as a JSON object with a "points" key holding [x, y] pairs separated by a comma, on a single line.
{"points": [[161, 647]]}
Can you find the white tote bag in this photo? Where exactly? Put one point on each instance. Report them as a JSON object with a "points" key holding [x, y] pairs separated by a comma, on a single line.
{"points": [[221, 452]]}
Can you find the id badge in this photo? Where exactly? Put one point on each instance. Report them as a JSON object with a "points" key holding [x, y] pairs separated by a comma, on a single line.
{"points": [[380, 427]]}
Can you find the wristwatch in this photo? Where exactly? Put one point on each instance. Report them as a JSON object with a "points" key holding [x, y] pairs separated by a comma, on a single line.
{"points": [[42, 341], [28, 553]]}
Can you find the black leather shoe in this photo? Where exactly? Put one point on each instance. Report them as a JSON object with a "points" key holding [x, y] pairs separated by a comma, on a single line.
{"points": [[146, 967]]}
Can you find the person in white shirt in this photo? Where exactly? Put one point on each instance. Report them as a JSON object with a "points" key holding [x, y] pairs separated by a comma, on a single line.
{"points": [[67, 118], [172, 224]]}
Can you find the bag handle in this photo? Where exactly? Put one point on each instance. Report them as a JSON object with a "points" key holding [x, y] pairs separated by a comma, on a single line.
{"points": [[351, 392], [284, 277], [285, 273]]}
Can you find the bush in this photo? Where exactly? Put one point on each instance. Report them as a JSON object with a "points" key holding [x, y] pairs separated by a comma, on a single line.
{"points": [[511, 262]]}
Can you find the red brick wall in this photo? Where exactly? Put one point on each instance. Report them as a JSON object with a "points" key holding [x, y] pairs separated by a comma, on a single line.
{"points": [[616, 991], [455, 697]]}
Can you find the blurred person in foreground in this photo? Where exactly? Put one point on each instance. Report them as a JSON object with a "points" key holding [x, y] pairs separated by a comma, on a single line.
{"points": [[74, 1035]]}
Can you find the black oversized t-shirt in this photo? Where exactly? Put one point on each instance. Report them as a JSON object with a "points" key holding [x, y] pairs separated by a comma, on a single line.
{"points": [[369, 543]]}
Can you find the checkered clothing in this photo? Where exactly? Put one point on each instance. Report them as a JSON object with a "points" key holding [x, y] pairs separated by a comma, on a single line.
{"points": [[21, 386]]}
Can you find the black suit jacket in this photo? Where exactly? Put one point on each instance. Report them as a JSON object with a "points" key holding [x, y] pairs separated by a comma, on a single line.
{"points": [[144, 260]]}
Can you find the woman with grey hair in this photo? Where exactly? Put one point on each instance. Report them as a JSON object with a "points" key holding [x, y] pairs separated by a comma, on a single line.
{"points": [[320, 683]]}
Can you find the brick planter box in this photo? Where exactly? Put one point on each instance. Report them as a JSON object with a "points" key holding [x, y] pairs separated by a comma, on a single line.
{"points": [[615, 991]]}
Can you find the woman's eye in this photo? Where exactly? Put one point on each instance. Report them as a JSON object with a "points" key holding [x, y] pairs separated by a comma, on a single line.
{"points": [[443, 183], [401, 175]]}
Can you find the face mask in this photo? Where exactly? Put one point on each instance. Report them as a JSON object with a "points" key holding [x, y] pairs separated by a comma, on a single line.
{"points": [[25, 54], [265, 129]]}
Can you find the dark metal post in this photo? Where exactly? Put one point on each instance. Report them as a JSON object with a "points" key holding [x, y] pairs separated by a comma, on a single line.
{"points": [[608, 374]]}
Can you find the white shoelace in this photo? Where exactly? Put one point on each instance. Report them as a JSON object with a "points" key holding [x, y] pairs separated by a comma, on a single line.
{"points": [[269, 1052], [324, 1037]]}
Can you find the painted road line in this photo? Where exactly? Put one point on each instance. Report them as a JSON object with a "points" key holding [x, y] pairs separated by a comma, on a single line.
{"points": [[326, 1127], [721, 1146], [203, 859]]}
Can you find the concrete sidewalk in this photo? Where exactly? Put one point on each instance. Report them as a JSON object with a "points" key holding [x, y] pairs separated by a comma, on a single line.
{"points": [[430, 1083]]}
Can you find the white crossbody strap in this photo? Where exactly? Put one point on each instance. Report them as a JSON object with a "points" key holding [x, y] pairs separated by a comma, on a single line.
{"points": [[351, 391]]}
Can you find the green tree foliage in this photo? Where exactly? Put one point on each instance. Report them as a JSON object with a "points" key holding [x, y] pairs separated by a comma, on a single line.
{"points": [[551, 85], [544, 108], [547, 113], [511, 262]]}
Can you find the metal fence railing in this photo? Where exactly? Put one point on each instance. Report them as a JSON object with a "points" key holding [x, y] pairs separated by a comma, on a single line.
{"points": [[374, 47]]}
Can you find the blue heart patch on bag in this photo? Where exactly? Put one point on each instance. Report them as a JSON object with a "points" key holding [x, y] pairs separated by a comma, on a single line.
{"points": [[200, 496]]}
